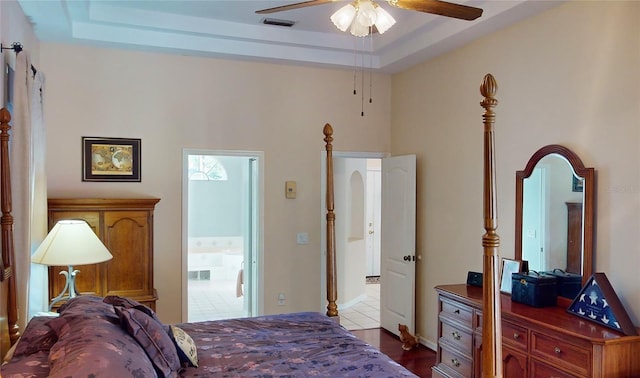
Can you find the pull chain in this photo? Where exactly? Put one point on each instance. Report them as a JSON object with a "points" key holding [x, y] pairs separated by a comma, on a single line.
{"points": [[355, 62], [362, 81]]}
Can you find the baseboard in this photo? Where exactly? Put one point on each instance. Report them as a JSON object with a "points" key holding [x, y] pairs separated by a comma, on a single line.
{"points": [[429, 344], [356, 300]]}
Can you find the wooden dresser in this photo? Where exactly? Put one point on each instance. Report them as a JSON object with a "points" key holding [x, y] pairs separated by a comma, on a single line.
{"points": [[125, 226], [536, 342]]}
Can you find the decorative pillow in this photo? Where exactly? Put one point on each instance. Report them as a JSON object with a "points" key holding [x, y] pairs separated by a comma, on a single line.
{"points": [[130, 303], [187, 350], [153, 338], [93, 346]]}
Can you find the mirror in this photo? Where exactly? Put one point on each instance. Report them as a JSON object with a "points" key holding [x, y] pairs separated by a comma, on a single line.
{"points": [[555, 197]]}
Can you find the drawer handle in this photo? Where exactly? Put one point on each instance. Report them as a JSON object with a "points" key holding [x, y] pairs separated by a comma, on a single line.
{"points": [[455, 335], [457, 312], [557, 350], [455, 362], [516, 335]]}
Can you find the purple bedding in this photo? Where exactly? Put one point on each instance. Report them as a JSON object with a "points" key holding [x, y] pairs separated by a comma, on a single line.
{"points": [[91, 339], [290, 345]]}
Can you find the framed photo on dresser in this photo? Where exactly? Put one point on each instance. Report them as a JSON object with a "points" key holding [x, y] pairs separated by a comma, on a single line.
{"points": [[509, 266]]}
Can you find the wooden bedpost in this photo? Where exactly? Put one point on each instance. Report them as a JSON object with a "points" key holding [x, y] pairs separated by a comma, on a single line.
{"points": [[491, 311], [332, 308], [7, 264]]}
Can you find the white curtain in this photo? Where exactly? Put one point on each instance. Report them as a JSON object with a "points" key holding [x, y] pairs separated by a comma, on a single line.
{"points": [[29, 186]]}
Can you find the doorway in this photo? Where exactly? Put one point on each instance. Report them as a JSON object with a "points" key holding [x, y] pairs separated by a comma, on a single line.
{"points": [[357, 186], [397, 237], [222, 234]]}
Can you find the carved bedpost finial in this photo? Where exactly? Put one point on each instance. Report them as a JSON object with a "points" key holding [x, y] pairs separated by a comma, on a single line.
{"points": [[328, 136], [488, 89], [5, 116]]}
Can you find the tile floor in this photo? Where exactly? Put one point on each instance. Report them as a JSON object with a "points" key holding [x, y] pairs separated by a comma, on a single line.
{"points": [[365, 314], [216, 299]]}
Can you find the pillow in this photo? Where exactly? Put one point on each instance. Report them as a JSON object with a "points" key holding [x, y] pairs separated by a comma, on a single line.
{"points": [[130, 303], [93, 346], [187, 350], [37, 336], [153, 338], [87, 305]]}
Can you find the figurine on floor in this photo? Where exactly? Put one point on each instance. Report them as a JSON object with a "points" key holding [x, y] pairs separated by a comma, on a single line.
{"points": [[409, 341]]}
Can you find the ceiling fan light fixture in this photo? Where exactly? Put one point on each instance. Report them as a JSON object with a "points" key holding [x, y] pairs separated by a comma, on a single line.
{"points": [[384, 21], [343, 17], [359, 30], [366, 14], [360, 16]]}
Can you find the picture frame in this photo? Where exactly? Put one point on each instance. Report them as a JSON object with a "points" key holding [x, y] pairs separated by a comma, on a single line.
{"points": [[577, 184], [111, 159], [598, 302], [509, 266]]}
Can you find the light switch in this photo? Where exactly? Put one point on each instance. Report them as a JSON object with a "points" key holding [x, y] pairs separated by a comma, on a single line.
{"points": [[290, 189], [302, 238]]}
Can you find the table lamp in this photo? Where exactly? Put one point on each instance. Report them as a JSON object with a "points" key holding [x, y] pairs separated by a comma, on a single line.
{"points": [[70, 242]]}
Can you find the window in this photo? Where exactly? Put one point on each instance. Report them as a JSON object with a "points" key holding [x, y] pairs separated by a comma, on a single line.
{"points": [[206, 168]]}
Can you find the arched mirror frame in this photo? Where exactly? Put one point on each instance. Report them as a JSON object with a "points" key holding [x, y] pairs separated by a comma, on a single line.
{"points": [[589, 196]]}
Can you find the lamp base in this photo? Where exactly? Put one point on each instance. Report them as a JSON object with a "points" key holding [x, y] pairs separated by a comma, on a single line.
{"points": [[70, 285]]}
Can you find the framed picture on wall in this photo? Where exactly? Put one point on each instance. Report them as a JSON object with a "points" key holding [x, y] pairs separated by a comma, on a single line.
{"points": [[111, 159]]}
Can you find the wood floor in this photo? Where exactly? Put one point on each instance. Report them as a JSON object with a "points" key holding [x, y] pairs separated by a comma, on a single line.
{"points": [[418, 360]]}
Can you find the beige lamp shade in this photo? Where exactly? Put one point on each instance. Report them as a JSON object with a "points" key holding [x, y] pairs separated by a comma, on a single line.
{"points": [[71, 242]]}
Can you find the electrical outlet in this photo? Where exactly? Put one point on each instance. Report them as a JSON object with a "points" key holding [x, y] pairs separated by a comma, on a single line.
{"points": [[281, 299]]}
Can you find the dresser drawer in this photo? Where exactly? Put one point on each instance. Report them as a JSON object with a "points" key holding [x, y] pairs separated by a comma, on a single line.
{"points": [[456, 362], [561, 353], [460, 339], [541, 370], [457, 312], [514, 335]]}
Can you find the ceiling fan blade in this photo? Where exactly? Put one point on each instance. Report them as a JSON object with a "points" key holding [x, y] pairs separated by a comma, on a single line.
{"points": [[303, 4], [439, 7]]}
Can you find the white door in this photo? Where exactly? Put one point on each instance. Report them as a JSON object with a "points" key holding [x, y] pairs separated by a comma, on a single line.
{"points": [[398, 241]]}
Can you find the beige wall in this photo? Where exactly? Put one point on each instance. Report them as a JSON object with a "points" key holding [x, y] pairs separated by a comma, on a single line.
{"points": [[570, 76], [175, 102]]}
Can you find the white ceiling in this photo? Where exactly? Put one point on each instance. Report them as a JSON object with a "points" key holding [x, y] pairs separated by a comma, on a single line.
{"points": [[231, 28]]}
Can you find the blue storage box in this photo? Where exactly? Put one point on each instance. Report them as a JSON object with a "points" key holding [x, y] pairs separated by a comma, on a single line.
{"points": [[569, 284], [534, 289]]}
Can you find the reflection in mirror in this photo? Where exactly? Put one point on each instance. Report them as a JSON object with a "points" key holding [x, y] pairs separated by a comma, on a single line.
{"points": [[549, 193], [554, 212]]}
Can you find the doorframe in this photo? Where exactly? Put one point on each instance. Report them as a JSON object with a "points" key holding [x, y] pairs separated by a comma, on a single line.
{"points": [[323, 213], [257, 289]]}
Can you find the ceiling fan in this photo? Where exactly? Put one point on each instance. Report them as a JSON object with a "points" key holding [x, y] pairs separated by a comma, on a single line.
{"points": [[438, 7]]}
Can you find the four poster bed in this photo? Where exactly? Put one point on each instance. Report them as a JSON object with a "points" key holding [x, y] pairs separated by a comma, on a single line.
{"points": [[115, 336]]}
